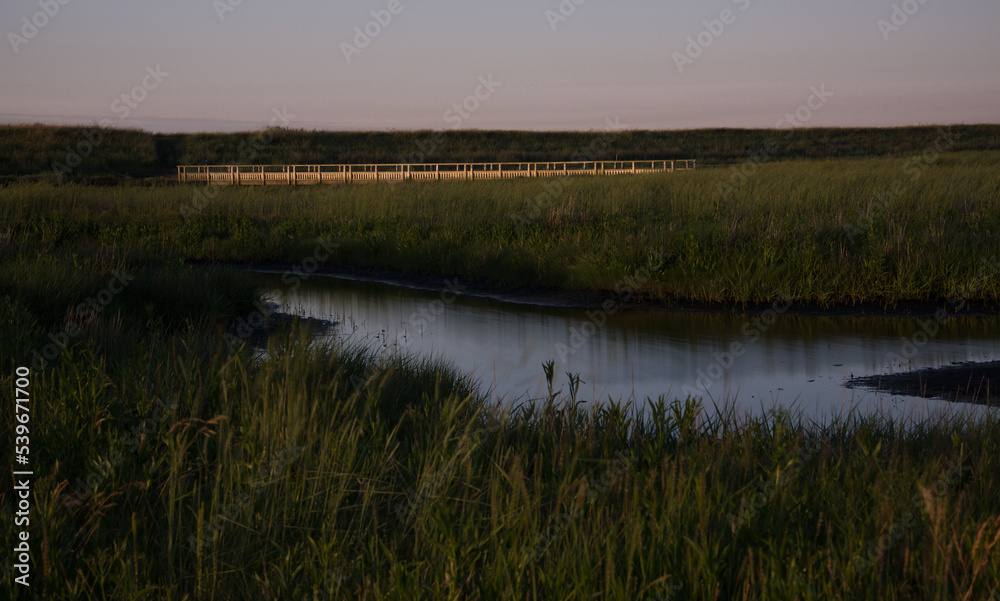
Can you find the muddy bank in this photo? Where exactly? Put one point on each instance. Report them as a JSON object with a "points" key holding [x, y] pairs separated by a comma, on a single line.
{"points": [[257, 327], [597, 299], [977, 383]]}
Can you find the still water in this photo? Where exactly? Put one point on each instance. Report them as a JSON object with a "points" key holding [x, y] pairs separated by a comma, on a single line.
{"points": [[751, 361]]}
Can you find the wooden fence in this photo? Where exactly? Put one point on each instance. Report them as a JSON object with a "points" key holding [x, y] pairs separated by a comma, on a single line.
{"points": [[315, 174]]}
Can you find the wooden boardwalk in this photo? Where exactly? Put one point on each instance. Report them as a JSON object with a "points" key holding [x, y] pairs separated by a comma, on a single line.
{"points": [[315, 174]]}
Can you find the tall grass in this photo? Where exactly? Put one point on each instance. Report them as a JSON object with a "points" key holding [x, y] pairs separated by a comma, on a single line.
{"points": [[170, 465], [221, 476], [826, 232]]}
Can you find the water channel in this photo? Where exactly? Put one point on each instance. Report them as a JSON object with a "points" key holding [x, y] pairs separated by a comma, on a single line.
{"points": [[753, 361]]}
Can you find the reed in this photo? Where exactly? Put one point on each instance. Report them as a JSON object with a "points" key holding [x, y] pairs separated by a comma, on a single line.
{"points": [[187, 471], [825, 232]]}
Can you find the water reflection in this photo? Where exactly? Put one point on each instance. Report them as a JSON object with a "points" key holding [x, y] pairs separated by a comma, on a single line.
{"points": [[799, 362]]}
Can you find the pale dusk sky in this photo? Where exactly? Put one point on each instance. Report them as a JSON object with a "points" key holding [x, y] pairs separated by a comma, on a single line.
{"points": [[223, 65]]}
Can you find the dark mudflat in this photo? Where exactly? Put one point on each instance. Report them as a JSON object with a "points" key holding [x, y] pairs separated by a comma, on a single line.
{"points": [[594, 299], [977, 383], [257, 333]]}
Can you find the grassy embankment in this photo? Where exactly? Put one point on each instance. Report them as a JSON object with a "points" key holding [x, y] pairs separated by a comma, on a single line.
{"points": [[30, 151], [826, 232]]}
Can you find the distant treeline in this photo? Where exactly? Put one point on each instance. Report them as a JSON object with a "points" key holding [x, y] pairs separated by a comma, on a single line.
{"points": [[79, 153]]}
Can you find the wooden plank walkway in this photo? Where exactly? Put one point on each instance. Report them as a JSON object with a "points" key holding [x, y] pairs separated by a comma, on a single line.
{"points": [[315, 174]]}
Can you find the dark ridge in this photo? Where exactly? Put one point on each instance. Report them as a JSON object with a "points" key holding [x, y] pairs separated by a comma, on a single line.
{"points": [[81, 153]]}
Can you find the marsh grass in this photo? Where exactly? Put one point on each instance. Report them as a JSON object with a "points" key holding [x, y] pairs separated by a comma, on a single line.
{"points": [[55, 296], [171, 466], [188, 472], [825, 232]]}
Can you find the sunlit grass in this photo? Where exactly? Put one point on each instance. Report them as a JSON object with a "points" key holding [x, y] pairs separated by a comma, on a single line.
{"points": [[825, 232]]}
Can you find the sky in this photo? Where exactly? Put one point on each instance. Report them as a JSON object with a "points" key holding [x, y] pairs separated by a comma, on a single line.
{"points": [[227, 65]]}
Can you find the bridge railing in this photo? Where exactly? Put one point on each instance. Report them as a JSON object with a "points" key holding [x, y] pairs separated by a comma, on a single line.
{"points": [[314, 174]]}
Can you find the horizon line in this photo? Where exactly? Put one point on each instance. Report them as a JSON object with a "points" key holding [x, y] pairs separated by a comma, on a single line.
{"points": [[81, 122]]}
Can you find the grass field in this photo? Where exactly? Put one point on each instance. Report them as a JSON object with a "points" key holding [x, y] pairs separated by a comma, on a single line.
{"points": [[172, 464], [878, 231]]}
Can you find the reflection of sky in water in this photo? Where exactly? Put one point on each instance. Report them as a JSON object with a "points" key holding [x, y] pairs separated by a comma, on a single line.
{"points": [[797, 361]]}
